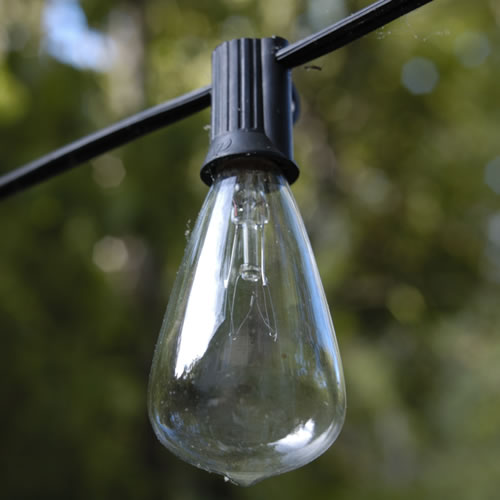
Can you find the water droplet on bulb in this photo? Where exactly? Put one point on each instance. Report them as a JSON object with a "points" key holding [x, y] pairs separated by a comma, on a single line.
{"points": [[187, 232]]}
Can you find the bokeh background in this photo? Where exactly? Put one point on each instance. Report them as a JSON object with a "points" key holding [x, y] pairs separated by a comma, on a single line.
{"points": [[399, 146]]}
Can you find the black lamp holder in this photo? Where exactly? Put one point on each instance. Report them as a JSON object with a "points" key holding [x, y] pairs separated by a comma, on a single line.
{"points": [[251, 97], [251, 106]]}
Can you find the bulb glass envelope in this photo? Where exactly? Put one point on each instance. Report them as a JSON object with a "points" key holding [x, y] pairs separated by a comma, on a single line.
{"points": [[247, 379]]}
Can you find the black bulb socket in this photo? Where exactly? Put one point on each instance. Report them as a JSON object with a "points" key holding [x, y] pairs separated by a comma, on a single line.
{"points": [[252, 110]]}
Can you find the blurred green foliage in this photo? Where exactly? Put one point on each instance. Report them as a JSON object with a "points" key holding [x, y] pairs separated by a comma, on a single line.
{"points": [[399, 146]]}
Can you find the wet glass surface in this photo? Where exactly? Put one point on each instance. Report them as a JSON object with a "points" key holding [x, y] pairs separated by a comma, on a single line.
{"points": [[247, 379]]}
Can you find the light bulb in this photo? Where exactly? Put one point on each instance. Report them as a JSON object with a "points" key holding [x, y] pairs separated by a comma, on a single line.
{"points": [[246, 379]]}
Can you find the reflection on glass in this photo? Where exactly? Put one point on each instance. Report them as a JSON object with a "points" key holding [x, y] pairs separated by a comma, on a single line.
{"points": [[246, 378], [297, 439]]}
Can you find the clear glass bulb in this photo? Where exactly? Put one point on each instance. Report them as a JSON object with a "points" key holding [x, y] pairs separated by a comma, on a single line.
{"points": [[246, 379]]}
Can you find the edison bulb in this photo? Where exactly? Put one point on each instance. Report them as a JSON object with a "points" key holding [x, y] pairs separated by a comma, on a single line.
{"points": [[246, 379]]}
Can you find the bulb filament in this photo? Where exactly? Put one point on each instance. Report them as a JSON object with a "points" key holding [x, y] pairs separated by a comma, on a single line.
{"points": [[250, 214]]}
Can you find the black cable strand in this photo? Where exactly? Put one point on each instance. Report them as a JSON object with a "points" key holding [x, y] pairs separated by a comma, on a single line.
{"points": [[328, 40], [346, 31], [104, 140]]}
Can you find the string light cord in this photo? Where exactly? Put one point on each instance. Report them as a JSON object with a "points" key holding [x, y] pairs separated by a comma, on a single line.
{"points": [[342, 33], [104, 140], [303, 51]]}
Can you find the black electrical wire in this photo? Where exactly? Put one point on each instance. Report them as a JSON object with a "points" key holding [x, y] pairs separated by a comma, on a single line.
{"points": [[328, 40], [346, 31], [104, 140]]}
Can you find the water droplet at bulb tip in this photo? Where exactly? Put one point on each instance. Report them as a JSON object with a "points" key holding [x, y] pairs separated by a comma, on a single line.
{"points": [[243, 480]]}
